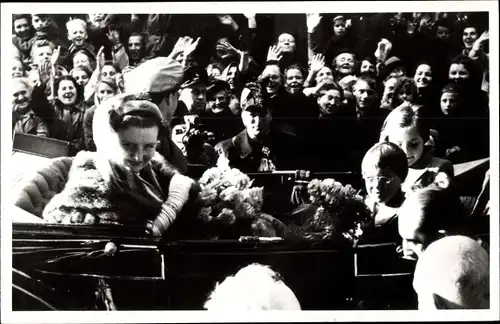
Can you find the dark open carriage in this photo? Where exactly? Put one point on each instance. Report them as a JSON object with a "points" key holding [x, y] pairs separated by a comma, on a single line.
{"points": [[73, 267]]}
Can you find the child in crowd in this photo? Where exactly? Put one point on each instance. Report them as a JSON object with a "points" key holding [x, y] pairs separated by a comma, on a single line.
{"points": [[22, 35], [384, 169], [78, 36], [405, 128], [17, 69]]}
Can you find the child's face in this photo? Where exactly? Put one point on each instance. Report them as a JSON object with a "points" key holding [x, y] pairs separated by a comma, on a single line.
{"points": [[339, 27], [410, 141], [443, 33], [329, 102], [423, 76], [345, 63], [17, 69], [405, 96], [449, 103], [96, 19], [78, 35], [294, 81], [81, 60], [81, 77], [40, 22], [22, 28], [42, 54], [381, 184]]}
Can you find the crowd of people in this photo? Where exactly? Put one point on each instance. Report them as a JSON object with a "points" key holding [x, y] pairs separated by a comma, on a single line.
{"points": [[402, 101]]}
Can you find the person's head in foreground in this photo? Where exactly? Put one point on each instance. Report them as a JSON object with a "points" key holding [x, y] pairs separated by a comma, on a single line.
{"points": [[453, 273], [253, 288], [255, 115], [428, 214], [384, 169]]}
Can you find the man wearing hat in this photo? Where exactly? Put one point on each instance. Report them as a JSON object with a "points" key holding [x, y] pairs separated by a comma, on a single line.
{"points": [[218, 118], [259, 147], [192, 94]]}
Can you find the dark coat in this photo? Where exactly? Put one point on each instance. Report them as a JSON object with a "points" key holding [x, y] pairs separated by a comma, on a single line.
{"points": [[246, 155]]}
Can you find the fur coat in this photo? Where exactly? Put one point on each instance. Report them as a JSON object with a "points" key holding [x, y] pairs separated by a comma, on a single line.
{"points": [[87, 198]]}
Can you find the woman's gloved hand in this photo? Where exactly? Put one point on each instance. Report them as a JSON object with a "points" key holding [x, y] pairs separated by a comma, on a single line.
{"points": [[178, 195]]}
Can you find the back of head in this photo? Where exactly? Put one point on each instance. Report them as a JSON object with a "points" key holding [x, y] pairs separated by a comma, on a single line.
{"points": [[255, 287], [453, 272]]}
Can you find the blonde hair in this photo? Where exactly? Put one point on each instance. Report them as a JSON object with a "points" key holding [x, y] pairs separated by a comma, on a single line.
{"points": [[255, 287], [74, 23], [41, 43]]}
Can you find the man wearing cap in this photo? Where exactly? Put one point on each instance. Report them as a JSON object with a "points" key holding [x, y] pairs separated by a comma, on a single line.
{"points": [[193, 94], [218, 118], [259, 147], [160, 77]]}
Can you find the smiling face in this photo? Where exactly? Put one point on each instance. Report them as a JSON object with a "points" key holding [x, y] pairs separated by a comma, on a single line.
{"points": [[324, 75], [458, 73], [389, 88], [469, 36], [294, 81], [287, 43], [21, 97], [22, 28], [449, 103], [329, 102], [78, 34], [423, 76], [81, 60], [66, 92], [96, 19], [272, 73], [135, 47], [345, 63], [137, 147], [409, 140], [17, 69], [381, 184], [81, 77], [219, 101]]}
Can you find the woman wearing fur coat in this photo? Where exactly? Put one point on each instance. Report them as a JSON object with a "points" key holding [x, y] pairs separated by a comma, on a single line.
{"points": [[126, 181]]}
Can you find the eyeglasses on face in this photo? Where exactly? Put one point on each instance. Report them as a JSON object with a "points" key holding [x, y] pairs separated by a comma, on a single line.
{"points": [[379, 179]]}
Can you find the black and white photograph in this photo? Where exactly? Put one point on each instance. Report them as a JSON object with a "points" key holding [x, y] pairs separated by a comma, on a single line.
{"points": [[328, 160]]}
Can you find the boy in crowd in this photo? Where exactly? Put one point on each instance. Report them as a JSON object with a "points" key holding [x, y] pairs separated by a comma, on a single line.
{"points": [[23, 34]]}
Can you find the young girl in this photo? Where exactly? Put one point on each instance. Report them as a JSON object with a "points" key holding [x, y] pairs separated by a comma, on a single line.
{"points": [[106, 89], [384, 169], [404, 127], [126, 182]]}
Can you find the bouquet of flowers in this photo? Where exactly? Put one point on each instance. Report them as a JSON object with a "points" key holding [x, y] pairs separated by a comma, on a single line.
{"points": [[334, 209], [229, 203]]}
